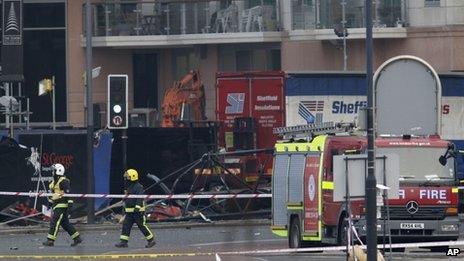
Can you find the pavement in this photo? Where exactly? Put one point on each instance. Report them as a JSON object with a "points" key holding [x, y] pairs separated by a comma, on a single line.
{"points": [[10, 230]]}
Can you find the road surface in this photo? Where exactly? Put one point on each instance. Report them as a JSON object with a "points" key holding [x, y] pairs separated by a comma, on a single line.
{"points": [[185, 243]]}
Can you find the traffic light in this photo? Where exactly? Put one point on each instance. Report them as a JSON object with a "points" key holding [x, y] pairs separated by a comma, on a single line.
{"points": [[117, 102]]}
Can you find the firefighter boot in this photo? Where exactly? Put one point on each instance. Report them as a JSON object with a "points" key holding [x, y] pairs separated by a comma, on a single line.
{"points": [[49, 243], [77, 241], [122, 243], [150, 243]]}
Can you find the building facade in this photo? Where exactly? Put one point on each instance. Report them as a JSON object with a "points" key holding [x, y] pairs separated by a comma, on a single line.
{"points": [[157, 42]]}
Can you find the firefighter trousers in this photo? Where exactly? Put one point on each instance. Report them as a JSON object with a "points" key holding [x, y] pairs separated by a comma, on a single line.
{"points": [[60, 218], [141, 221]]}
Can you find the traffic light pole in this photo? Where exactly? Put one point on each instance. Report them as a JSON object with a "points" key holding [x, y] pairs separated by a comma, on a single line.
{"points": [[54, 102], [88, 51], [124, 149], [371, 192]]}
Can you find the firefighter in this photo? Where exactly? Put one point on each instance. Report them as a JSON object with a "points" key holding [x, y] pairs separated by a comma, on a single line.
{"points": [[135, 210], [59, 186]]}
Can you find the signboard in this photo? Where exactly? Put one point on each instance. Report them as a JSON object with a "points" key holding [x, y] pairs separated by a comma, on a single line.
{"points": [[396, 82], [12, 41], [12, 22], [66, 149], [339, 98], [15, 170], [357, 172], [338, 108]]}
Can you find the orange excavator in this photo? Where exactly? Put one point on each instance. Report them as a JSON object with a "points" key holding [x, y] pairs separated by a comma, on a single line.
{"points": [[184, 101]]}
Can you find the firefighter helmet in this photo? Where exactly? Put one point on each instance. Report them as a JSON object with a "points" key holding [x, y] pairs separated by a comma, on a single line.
{"points": [[58, 169], [131, 174]]}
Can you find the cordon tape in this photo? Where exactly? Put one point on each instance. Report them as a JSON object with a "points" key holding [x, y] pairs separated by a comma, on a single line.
{"points": [[342, 248], [168, 196], [171, 196]]}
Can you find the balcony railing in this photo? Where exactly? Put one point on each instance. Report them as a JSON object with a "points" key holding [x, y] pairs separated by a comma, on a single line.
{"points": [[327, 14], [164, 17]]}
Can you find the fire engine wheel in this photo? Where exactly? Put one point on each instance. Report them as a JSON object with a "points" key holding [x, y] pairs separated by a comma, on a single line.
{"points": [[342, 231], [294, 238]]}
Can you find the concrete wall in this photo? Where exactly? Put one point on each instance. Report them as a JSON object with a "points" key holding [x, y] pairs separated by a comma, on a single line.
{"points": [[119, 61], [448, 13], [165, 75], [76, 61], [441, 46], [208, 69], [112, 61]]}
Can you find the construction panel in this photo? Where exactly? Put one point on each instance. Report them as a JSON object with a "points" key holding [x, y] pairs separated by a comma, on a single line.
{"points": [[279, 190], [357, 172], [295, 178], [413, 87]]}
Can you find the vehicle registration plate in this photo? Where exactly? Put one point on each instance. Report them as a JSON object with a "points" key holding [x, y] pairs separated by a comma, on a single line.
{"points": [[412, 226]]}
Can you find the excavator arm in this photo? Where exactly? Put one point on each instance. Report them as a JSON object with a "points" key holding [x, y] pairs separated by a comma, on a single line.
{"points": [[188, 91]]}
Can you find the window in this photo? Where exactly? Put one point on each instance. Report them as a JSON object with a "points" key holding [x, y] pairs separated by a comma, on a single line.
{"points": [[252, 3], [44, 48], [432, 3], [428, 169], [44, 15], [273, 60], [145, 68], [44, 57], [243, 60], [184, 61], [257, 60], [249, 58], [303, 15]]}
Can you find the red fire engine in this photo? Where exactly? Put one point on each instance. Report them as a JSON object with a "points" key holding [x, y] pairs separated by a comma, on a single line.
{"points": [[408, 126], [303, 206]]}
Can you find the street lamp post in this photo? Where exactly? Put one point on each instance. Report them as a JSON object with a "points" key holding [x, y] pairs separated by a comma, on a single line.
{"points": [[344, 33], [88, 51], [340, 30], [371, 191]]}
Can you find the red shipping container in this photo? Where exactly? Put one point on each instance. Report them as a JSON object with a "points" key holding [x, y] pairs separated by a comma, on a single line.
{"points": [[259, 95]]}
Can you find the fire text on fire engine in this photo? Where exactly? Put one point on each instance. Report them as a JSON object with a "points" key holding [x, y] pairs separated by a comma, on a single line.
{"points": [[427, 194]]}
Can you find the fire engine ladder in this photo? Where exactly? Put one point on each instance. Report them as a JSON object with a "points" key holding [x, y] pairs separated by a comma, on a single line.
{"points": [[310, 130]]}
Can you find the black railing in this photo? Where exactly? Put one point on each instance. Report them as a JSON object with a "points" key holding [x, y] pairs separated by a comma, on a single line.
{"points": [[127, 18], [326, 14]]}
